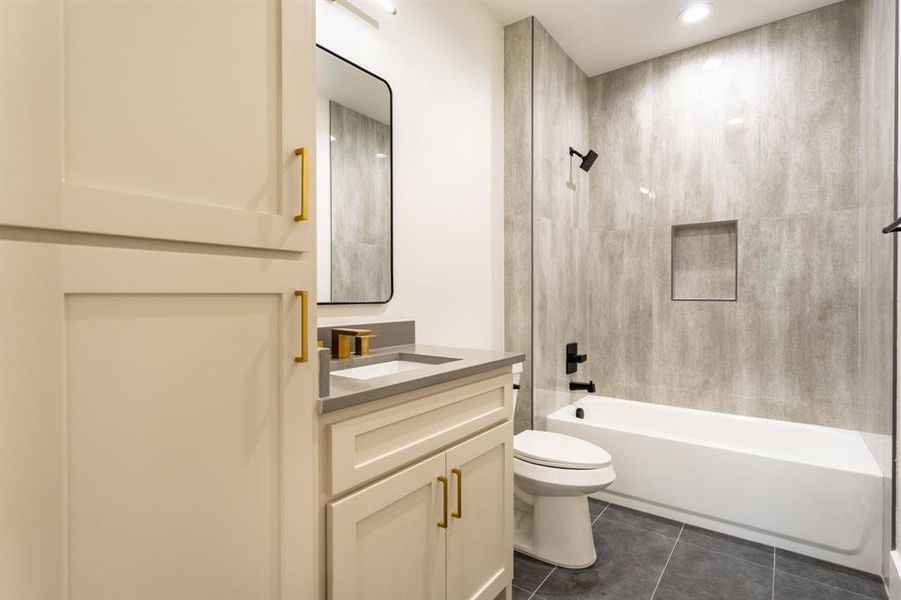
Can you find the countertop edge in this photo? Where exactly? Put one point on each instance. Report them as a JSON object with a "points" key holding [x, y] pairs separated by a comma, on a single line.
{"points": [[329, 405]]}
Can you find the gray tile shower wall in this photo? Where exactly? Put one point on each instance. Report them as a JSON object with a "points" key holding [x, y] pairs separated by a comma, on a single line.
{"points": [[560, 233], [787, 134], [876, 210], [546, 223], [518, 206], [787, 129]]}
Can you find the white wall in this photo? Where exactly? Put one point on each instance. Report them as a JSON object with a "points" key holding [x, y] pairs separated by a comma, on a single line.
{"points": [[444, 61]]}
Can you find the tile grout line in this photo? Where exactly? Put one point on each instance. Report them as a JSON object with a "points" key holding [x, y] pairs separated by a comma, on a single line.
{"points": [[542, 582], [668, 558], [773, 587], [600, 514]]}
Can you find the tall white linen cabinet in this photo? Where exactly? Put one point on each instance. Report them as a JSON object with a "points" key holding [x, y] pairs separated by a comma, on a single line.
{"points": [[156, 226]]}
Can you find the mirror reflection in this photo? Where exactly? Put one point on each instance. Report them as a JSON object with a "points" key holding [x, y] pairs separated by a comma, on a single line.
{"points": [[353, 134]]}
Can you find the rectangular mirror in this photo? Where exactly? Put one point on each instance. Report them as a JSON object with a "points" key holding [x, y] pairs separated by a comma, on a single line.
{"points": [[354, 187]]}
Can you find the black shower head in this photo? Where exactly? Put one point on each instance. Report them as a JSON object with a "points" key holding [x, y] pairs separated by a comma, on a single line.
{"points": [[587, 159]]}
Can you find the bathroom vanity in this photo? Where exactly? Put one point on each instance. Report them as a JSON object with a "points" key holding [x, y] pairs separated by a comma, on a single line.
{"points": [[415, 475], [415, 443]]}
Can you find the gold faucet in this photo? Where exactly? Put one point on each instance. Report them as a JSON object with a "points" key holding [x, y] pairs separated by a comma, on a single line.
{"points": [[341, 337], [361, 341]]}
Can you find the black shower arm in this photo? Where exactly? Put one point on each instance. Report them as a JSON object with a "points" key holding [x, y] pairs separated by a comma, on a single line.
{"points": [[576, 152], [893, 227]]}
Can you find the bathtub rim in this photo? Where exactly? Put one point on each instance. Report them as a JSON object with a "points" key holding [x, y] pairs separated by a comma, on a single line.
{"points": [[872, 464]]}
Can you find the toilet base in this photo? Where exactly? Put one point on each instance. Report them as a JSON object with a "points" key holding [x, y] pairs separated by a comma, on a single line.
{"points": [[560, 531]]}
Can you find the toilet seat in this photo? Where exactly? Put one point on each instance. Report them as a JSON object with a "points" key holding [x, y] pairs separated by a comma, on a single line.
{"points": [[559, 451], [554, 481]]}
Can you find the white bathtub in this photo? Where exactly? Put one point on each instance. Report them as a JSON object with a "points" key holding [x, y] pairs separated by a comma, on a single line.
{"points": [[810, 489]]}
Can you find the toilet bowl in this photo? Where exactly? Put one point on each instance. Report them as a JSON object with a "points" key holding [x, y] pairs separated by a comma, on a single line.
{"points": [[552, 477]]}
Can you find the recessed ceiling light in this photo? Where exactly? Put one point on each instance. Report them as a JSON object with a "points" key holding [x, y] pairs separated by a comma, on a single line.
{"points": [[694, 13], [381, 155], [711, 64], [735, 121]]}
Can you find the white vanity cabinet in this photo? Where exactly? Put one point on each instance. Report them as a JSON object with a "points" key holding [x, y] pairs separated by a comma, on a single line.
{"points": [[438, 522]]}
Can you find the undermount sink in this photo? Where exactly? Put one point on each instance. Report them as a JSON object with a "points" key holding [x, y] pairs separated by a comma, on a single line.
{"points": [[392, 367], [388, 364]]}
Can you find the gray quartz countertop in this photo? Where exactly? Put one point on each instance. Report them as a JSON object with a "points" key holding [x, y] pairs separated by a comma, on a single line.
{"points": [[345, 392]]}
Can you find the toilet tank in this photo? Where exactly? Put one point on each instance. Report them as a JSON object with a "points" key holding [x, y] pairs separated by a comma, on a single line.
{"points": [[517, 375]]}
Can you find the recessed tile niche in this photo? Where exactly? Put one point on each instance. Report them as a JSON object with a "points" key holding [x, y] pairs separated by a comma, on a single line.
{"points": [[705, 261]]}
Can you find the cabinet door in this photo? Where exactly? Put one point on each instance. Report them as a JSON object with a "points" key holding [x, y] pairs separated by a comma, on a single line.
{"points": [[480, 540], [155, 429], [385, 542], [156, 119]]}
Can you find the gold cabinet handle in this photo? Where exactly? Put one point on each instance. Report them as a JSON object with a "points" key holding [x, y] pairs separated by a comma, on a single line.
{"points": [[304, 313], [443, 523], [304, 155], [459, 511]]}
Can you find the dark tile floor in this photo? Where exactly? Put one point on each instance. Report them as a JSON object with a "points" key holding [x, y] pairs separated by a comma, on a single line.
{"points": [[644, 557]]}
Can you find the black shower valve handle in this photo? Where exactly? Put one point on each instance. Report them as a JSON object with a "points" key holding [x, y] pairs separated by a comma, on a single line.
{"points": [[573, 358]]}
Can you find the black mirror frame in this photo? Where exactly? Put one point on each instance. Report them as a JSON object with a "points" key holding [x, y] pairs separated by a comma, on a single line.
{"points": [[390, 185]]}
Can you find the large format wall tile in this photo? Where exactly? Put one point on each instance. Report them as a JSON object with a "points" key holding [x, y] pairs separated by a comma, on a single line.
{"points": [[876, 306], [876, 201], [799, 337], [785, 129], [561, 280], [561, 267], [705, 144], [560, 120], [694, 355], [809, 119], [620, 121], [621, 312], [518, 206]]}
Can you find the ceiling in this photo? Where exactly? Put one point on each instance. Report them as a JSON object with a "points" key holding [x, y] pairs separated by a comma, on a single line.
{"points": [[603, 35]]}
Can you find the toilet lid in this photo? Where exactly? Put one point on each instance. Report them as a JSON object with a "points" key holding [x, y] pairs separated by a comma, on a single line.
{"points": [[558, 450]]}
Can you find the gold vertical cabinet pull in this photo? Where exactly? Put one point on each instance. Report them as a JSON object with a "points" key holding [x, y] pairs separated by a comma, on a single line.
{"points": [[443, 523], [304, 313], [304, 155], [459, 512]]}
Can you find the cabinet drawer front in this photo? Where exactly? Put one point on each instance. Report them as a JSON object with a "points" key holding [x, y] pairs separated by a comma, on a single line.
{"points": [[368, 446]]}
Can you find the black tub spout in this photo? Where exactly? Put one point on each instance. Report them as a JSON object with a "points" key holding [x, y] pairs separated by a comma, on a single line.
{"points": [[575, 386]]}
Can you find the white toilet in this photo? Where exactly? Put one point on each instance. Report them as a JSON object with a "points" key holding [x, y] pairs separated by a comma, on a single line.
{"points": [[552, 477]]}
